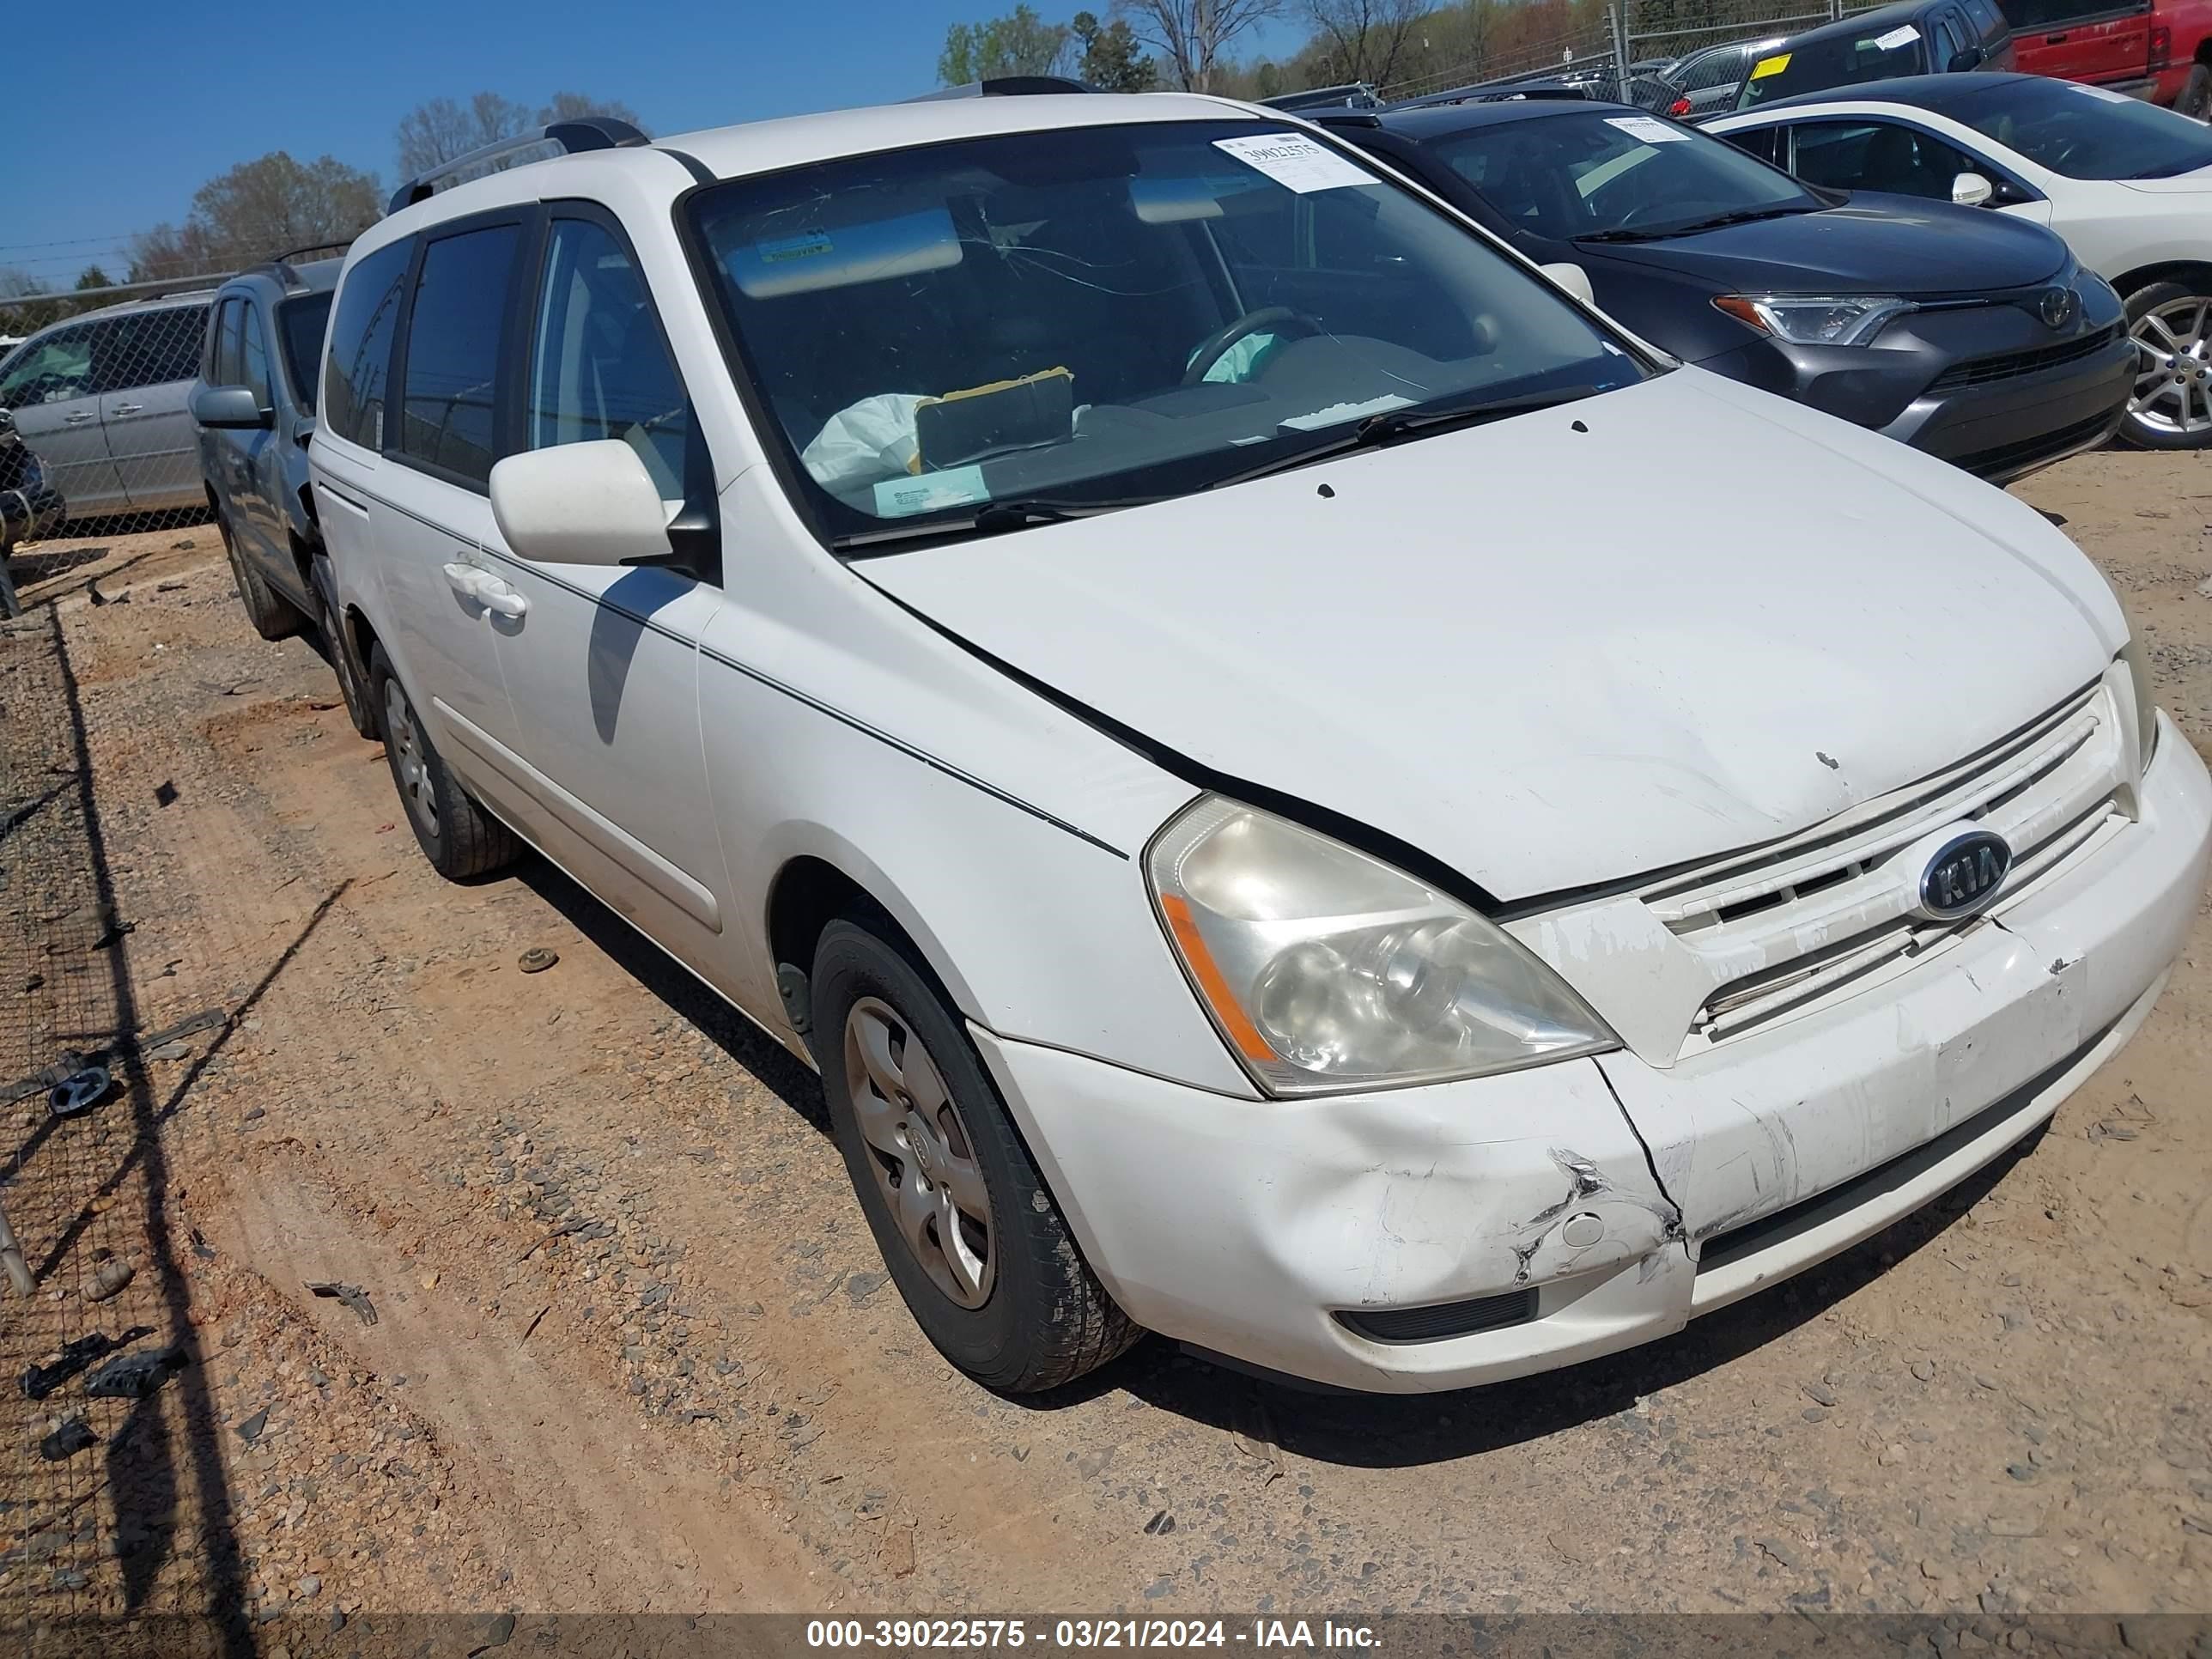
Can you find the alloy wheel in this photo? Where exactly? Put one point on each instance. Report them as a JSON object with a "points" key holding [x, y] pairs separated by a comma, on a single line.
{"points": [[923, 1155], [2173, 393], [408, 759]]}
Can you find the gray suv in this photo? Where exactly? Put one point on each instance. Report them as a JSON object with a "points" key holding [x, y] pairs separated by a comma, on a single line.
{"points": [[101, 399], [254, 408]]}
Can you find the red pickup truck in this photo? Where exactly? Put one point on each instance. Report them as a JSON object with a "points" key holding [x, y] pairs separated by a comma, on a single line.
{"points": [[2161, 50]]}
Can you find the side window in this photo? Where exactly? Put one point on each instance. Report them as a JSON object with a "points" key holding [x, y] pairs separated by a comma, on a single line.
{"points": [[1879, 156], [227, 370], [1948, 43], [151, 349], [255, 364], [599, 366], [452, 351], [1719, 69], [1989, 20], [210, 354], [360, 344], [1766, 142], [54, 369]]}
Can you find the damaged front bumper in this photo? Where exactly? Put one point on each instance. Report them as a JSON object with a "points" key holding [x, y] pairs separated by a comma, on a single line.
{"points": [[1462, 1233]]}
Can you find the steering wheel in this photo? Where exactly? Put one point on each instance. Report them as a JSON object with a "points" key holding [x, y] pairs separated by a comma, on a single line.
{"points": [[1210, 350]]}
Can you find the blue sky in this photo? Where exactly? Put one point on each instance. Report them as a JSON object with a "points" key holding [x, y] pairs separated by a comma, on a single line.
{"points": [[135, 104]]}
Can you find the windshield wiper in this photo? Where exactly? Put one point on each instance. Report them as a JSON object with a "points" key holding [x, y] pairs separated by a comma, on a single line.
{"points": [[1417, 420], [1740, 216], [988, 517]]}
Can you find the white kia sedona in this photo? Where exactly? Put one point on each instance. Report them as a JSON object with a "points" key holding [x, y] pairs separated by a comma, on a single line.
{"points": [[1128, 636]]}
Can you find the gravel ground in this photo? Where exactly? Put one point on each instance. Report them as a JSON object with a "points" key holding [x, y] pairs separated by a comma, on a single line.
{"points": [[633, 1350]]}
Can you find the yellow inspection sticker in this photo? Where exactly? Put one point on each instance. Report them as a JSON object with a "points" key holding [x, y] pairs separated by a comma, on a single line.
{"points": [[1773, 65]]}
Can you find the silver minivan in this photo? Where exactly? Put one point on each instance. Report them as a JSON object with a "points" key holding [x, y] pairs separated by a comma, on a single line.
{"points": [[103, 400]]}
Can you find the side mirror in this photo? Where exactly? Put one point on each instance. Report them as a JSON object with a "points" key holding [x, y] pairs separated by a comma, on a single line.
{"points": [[590, 504], [1964, 59], [229, 408], [1573, 279], [1972, 190]]}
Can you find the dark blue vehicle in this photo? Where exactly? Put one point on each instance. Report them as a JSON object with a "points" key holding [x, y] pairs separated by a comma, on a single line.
{"points": [[1918, 37], [1973, 336]]}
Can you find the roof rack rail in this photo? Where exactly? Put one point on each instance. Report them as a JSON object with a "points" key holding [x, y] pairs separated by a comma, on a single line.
{"points": [[590, 132], [1352, 95], [292, 253], [1007, 86]]}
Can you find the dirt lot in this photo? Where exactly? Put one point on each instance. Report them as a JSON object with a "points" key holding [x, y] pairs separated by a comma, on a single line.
{"points": [[633, 1348]]}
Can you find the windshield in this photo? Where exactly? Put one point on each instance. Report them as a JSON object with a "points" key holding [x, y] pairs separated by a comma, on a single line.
{"points": [[1108, 314], [301, 322], [1588, 173], [2085, 132], [1836, 60]]}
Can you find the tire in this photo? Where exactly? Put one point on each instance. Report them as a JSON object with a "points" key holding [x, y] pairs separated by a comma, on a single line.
{"points": [[2172, 323], [459, 838], [272, 617], [2194, 98], [1041, 1318], [352, 678]]}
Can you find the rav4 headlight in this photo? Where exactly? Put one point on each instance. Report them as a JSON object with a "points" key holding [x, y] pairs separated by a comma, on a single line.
{"points": [[1329, 970], [1816, 319]]}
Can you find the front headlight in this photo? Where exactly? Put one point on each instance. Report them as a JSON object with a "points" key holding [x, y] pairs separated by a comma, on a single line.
{"points": [[2132, 654], [1815, 319], [1327, 970]]}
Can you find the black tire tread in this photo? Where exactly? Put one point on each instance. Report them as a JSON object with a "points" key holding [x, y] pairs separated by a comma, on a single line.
{"points": [[1086, 1327], [273, 617], [470, 841]]}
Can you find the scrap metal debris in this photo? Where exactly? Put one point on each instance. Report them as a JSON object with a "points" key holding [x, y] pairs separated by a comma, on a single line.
{"points": [[67, 1441], [39, 1380], [135, 1376], [352, 1294], [537, 959], [79, 1091]]}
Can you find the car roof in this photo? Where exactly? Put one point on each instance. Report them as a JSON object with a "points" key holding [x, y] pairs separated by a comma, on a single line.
{"points": [[1942, 93], [1435, 121], [1859, 23], [278, 279], [197, 296]]}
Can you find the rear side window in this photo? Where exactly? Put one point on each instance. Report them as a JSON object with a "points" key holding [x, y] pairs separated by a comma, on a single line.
{"points": [[452, 351], [1879, 156], [153, 348], [1765, 143], [361, 345], [1717, 69], [599, 368], [1989, 20]]}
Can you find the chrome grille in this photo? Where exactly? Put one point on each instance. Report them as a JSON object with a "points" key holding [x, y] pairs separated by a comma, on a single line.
{"points": [[1778, 930]]}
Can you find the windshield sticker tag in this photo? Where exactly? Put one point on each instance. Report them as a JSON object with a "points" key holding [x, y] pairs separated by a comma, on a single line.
{"points": [[1650, 128], [957, 486], [2108, 96], [1293, 162], [1903, 35], [812, 246], [1767, 66], [1338, 414]]}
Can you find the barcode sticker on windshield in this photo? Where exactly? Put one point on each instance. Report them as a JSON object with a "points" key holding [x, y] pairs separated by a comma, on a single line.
{"points": [[1650, 128], [1293, 162], [2100, 91], [1903, 35]]}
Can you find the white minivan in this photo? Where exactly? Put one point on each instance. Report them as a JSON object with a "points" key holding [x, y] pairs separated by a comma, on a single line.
{"points": [[1144, 649]]}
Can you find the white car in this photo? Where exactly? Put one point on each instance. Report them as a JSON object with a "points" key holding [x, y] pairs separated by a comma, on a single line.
{"points": [[1060, 608], [2127, 184]]}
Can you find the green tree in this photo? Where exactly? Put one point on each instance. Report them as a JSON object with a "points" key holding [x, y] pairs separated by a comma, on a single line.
{"points": [[1020, 42], [1110, 59]]}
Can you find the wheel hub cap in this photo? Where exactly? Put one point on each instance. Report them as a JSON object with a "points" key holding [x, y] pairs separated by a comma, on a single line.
{"points": [[408, 760], [2173, 371], [924, 1159]]}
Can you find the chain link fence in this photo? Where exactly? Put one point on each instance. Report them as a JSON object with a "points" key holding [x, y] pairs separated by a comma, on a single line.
{"points": [[103, 439]]}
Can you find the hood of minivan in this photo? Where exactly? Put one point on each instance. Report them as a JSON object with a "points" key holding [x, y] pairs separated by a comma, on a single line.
{"points": [[1554, 658], [1872, 245]]}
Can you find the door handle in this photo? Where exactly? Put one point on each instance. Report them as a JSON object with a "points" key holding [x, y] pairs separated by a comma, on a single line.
{"points": [[128, 409], [2054, 40], [78, 418], [486, 589], [466, 580]]}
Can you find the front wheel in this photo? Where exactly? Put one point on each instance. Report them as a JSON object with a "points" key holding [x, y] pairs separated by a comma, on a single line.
{"points": [[272, 618], [975, 1243], [2171, 407]]}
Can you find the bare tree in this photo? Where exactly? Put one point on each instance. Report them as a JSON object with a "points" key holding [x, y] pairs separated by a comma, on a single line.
{"points": [[1191, 35], [257, 208], [1365, 38], [575, 105]]}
